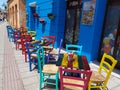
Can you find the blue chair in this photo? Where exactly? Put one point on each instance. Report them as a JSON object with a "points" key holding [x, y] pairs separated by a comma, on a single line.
{"points": [[48, 72], [77, 49], [10, 32], [31, 49]]}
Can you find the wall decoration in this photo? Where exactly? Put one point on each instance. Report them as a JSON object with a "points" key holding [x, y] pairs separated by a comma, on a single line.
{"points": [[88, 12], [51, 15], [35, 15], [42, 20]]}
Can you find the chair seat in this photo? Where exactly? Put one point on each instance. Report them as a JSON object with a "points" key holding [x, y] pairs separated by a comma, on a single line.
{"points": [[33, 55], [50, 69], [36, 41], [47, 47], [19, 40], [54, 51], [97, 77], [69, 87]]}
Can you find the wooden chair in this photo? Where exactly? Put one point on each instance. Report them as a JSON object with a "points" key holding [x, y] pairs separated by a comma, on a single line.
{"points": [[77, 49], [51, 40], [24, 40], [72, 82], [99, 79], [47, 71], [16, 35], [32, 49], [10, 32], [54, 54]]}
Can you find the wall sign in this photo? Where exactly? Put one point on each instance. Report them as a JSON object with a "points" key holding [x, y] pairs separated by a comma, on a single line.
{"points": [[88, 12]]}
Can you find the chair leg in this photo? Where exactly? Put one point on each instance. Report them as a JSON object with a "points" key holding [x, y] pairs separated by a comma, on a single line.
{"points": [[56, 81], [25, 57], [41, 80], [30, 65]]}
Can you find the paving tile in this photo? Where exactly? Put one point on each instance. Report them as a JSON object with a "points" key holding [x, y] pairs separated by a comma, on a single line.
{"points": [[1, 76], [23, 65], [32, 87], [28, 74], [1, 84], [30, 81]]}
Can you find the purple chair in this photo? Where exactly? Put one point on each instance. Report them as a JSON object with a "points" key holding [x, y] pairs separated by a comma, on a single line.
{"points": [[54, 54]]}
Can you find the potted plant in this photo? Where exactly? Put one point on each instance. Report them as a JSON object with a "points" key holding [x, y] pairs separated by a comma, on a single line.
{"points": [[35, 15], [42, 21], [51, 15]]}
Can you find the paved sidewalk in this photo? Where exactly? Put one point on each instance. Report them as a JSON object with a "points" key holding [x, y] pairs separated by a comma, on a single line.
{"points": [[14, 72]]}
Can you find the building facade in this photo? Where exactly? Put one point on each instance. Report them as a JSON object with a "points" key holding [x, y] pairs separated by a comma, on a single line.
{"points": [[79, 22], [3, 15], [16, 13]]}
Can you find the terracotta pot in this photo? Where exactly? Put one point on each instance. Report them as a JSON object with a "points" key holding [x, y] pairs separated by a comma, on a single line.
{"points": [[42, 21], [51, 16], [35, 15]]}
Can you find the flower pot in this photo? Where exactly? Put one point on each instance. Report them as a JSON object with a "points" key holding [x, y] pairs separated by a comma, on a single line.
{"points": [[42, 21], [51, 16], [35, 15]]}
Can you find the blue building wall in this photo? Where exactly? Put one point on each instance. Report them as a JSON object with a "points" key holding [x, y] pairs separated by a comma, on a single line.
{"points": [[90, 35], [51, 27]]}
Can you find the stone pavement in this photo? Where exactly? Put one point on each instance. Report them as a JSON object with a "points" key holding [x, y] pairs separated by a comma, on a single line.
{"points": [[14, 72]]}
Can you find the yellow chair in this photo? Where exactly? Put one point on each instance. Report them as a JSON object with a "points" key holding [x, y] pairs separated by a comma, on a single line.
{"points": [[99, 79]]}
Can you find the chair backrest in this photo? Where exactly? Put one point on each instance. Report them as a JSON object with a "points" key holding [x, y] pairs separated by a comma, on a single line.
{"points": [[41, 57], [51, 40], [24, 39], [106, 66], [54, 55], [72, 82], [77, 49], [16, 35]]}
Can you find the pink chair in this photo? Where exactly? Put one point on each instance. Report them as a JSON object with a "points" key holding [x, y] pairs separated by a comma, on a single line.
{"points": [[72, 82]]}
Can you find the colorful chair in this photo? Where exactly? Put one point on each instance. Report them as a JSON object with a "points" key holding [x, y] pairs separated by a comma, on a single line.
{"points": [[48, 72], [51, 40], [10, 32], [77, 49], [24, 40], [32, 49], [54, 54], [72, 82], [99, 79]]}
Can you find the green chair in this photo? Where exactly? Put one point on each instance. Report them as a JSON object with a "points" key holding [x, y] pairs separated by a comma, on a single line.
{"points": [[48, 72]]}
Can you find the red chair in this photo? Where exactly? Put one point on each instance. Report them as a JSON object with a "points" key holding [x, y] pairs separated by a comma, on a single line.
{"points": [[24, 40], [49, 40], [16, 35], [72, 82]]}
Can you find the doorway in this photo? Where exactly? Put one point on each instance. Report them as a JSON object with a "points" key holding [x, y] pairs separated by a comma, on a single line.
{"points": [[72, 24], [31, 18], [110, 42]]}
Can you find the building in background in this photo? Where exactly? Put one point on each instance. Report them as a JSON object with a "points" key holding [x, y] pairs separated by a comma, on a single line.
{"points": [[16, 13], [3, 15]]}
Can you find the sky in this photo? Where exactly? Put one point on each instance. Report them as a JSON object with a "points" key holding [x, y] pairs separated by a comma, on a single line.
{"points": [[1, 2]]}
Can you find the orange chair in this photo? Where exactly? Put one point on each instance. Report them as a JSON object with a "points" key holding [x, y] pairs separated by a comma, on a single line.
{"points": [[72, 82], [99, 79]]}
